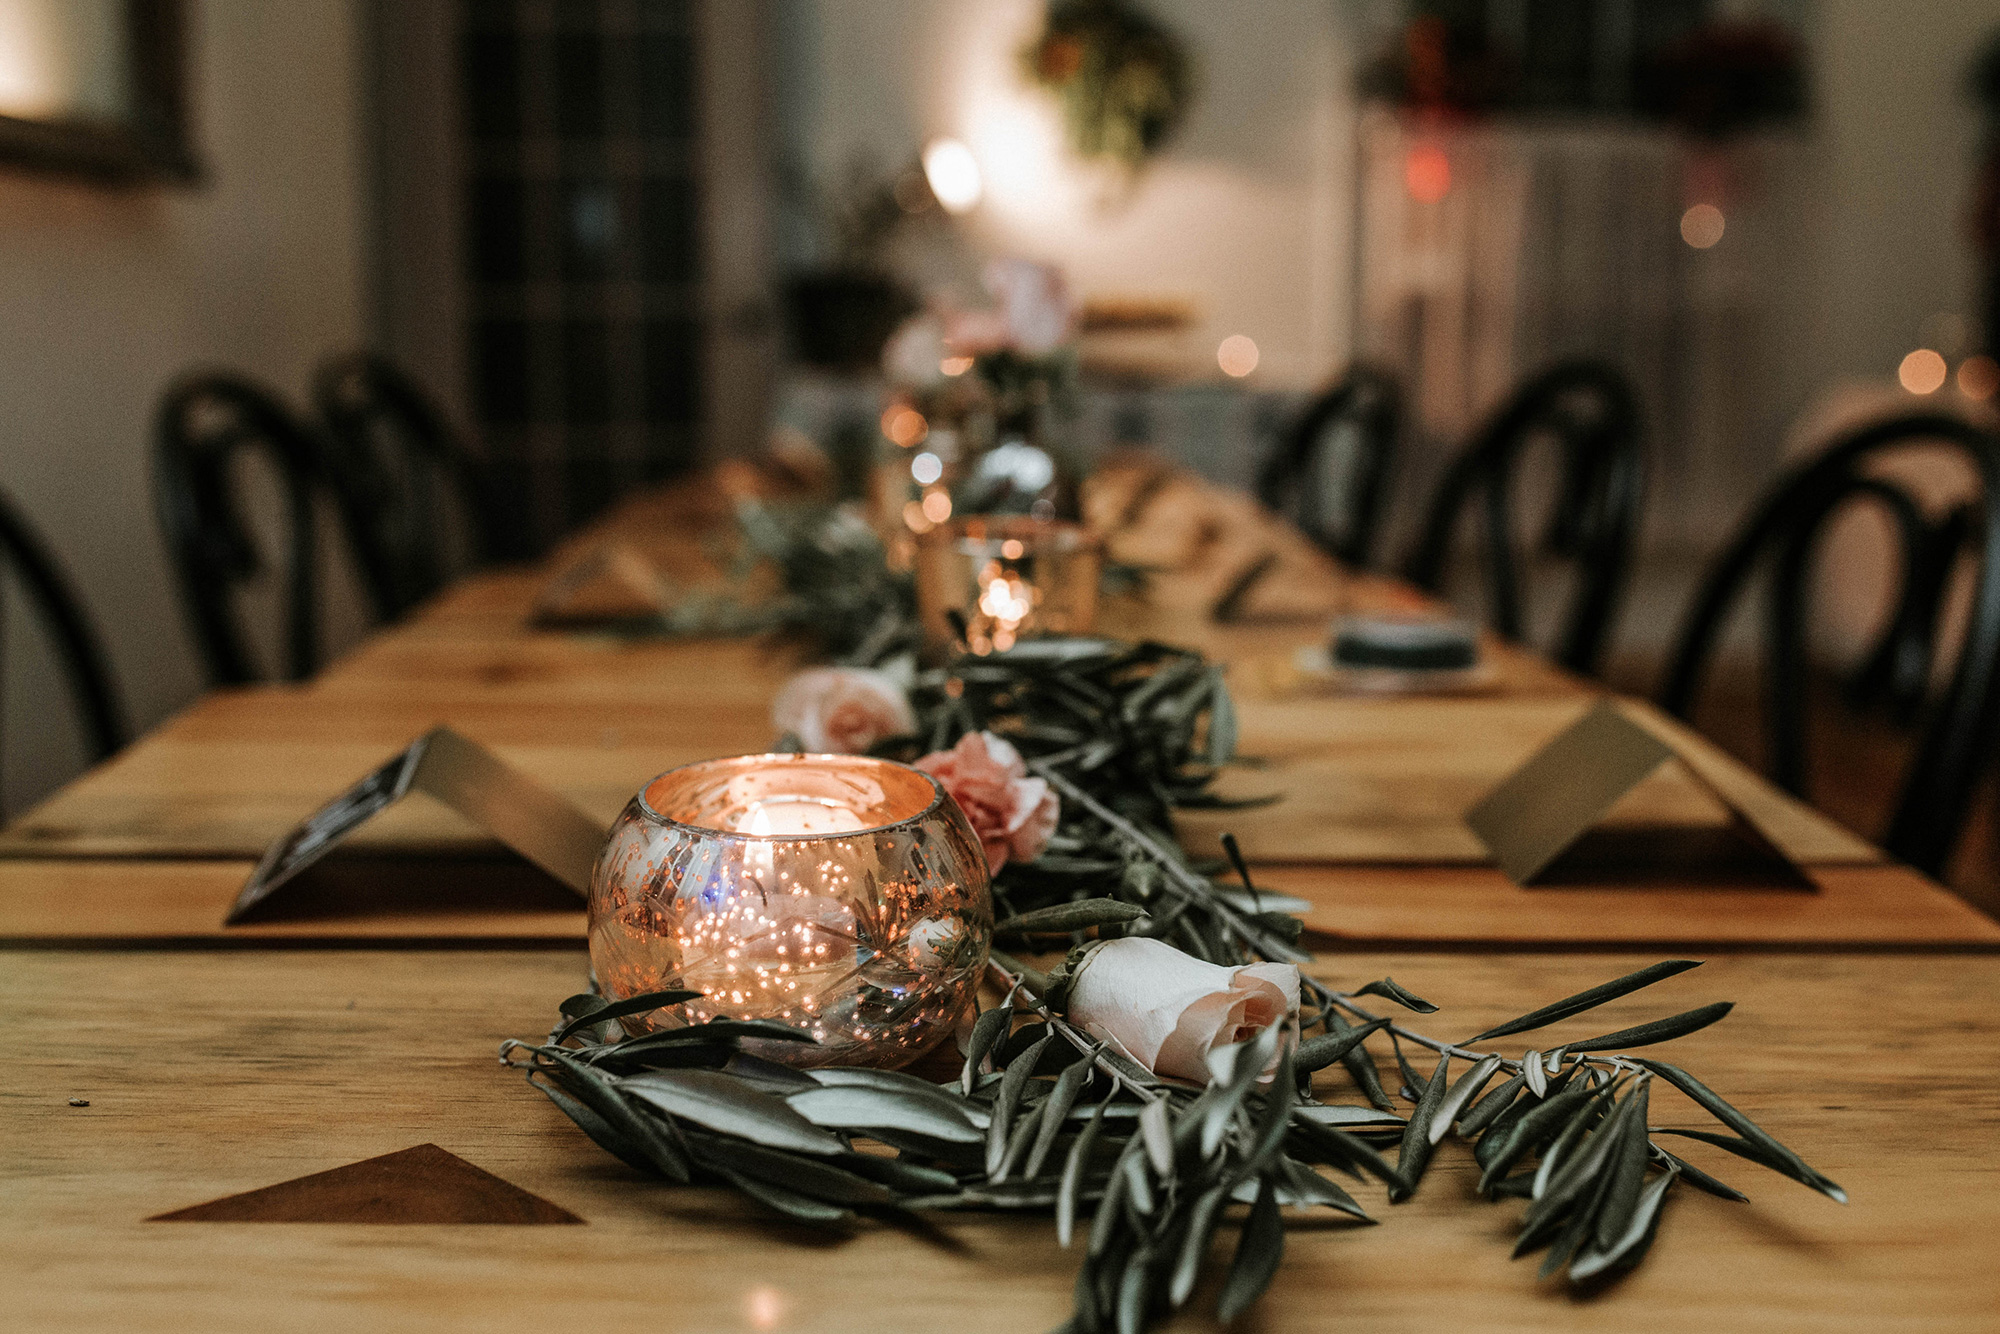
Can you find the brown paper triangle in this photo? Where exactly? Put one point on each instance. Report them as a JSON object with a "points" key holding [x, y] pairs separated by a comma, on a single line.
{"points": [[610, 584], [424, 1184], [1547, 822]]}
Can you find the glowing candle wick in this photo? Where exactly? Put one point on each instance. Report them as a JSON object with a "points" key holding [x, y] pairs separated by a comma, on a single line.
{"points": [[799, 815]]}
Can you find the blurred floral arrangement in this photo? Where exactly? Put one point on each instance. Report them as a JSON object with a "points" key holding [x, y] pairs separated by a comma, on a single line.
{"points": [[1125, 81], [989, 381], [1020, 347]]}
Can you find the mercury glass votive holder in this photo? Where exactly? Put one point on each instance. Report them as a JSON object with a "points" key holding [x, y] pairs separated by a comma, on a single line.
{"points": [[842, 895], [1008, 577]]}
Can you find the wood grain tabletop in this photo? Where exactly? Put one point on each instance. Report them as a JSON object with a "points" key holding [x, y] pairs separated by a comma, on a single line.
{"points": [[256, 1067], [1369, 829]]}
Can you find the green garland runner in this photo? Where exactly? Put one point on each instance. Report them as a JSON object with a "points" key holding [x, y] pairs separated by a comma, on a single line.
{"points": [[1045, 1118]]}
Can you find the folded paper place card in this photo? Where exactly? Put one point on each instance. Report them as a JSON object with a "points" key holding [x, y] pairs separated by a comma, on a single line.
{"points": [[467, 777], [612, 584], [1554, 810]]}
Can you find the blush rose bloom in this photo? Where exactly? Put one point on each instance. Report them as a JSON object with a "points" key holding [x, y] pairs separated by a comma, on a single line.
{"points": [[1168, 1010], [1012, 813], [842, 710]]}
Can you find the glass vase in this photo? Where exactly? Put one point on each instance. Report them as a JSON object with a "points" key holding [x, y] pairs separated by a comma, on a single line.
{"points": [[995, 580], [842, 895]]}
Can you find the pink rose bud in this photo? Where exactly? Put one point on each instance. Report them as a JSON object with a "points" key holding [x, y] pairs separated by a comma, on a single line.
{"points": [[842, 710], [1168, 1010], [1012, 813]]}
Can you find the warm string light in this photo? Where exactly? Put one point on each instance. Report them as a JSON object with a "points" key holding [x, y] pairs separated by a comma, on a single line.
{"points": [[953, 174], [1237, 355], [1427, 173], [1923, 371], [1702, 226], [1006, 601], [1978, 377], [904, 425]]}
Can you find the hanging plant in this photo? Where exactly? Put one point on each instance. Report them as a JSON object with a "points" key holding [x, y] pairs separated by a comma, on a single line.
{"points": [[1125, 82]]}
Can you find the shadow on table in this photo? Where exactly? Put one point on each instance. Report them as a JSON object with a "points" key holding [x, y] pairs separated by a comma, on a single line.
{"points": [[1642, 856], [360, 884]]}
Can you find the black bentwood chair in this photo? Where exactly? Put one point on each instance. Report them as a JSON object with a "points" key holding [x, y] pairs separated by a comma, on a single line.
{"points": [[1591, 411], [203, 422], [392, 446], [1955, 741], [77, 647], [1346, 437]]}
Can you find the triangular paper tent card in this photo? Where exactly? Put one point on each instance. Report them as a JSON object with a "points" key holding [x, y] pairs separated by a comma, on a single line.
{"points": [[533, 821], [1569, 812], [610, 584], [424, 1184]]}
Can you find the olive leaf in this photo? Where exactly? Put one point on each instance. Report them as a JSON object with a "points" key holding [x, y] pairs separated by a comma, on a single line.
{"points": [[987, 1030], [1588, 999], [1258, 1250], [1358, 1063], [652, 1000], [1417, 1141], [1072, 1177], [1388, 990], [1711, 1101], [1317, 1053], [861, 1108], [1464, 1090], [1080, 915], [1659, 1030], [1063, 1097], [726, 1104], [1008, 1099], [1487, 1109], [1626, 1249]]}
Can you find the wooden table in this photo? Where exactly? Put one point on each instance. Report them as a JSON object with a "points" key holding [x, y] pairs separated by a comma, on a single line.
{"points": [[210, 1074], [153, 845], [245, 1056]]}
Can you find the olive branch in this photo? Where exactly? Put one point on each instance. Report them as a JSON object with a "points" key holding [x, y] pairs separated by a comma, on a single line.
{"points": [[1046, 1117]]}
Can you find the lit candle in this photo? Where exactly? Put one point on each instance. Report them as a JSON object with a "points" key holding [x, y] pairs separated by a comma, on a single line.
{"points": [[799, 815], [838, 894]]}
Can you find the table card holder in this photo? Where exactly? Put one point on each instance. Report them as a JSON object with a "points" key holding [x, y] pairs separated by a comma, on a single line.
{"points": [[1547, 807], [541, 826], [610, 585]]}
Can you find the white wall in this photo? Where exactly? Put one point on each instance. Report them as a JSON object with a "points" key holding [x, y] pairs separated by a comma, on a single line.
{"points": [[1898, 135], [105, 296], [1246, 214]]}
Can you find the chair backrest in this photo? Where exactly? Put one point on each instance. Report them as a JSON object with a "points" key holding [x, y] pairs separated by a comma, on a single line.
{"points": [[1954, 743], [392, 445], [1352, 427], [1592, 412], [76, 644], [203, 422]]}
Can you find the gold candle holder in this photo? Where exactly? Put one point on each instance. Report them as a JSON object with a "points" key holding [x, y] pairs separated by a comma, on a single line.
{"points": [[842, 895], [1009, 578]]}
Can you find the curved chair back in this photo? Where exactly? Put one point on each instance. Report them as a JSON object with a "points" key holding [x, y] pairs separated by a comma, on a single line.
{"points": [[1955, 741], [203, 422], [76, 644], [1363, 410], [1591, 410], [392, 446]]}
